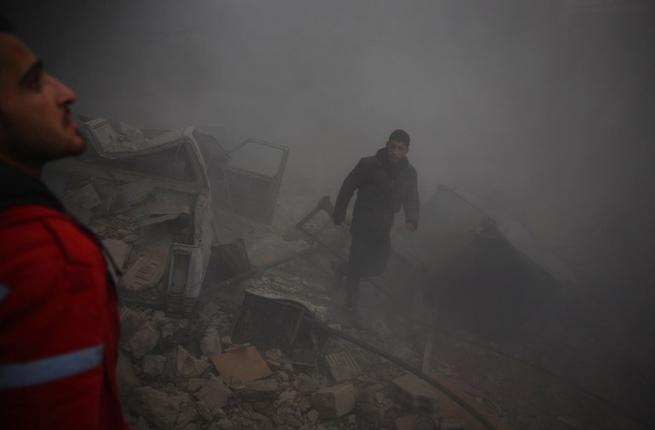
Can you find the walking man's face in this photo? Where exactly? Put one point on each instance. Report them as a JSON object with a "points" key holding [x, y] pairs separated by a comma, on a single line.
{"points": [[36, 125], [396, 151]]}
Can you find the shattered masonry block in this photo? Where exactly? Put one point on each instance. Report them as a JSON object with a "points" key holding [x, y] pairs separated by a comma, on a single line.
{"points": [[143, 340], [156, 406], [257, 391], [125, 373], [154, 365], [146, 272], [335, 401], [341, 366], [451, 424], [118, 250], [407, 422], [213, 394], [210, 344], [187, 365], [415, 392]]}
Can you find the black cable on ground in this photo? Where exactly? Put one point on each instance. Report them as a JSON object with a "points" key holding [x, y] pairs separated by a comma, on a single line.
{"points": [[408, 367], [424, 324]]}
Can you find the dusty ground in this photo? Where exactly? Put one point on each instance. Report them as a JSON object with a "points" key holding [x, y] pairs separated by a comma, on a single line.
{"points": [[169, 381]]}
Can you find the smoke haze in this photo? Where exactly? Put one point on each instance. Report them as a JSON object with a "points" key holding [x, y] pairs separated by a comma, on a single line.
{"points": [[541, 112]]}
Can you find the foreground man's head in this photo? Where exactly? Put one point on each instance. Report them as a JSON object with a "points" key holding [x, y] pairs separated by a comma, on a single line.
{"points": [[36, 124]]}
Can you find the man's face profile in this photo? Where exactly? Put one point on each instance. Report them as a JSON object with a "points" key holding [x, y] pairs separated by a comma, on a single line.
{"points": [[396, 151], [36, 125]]}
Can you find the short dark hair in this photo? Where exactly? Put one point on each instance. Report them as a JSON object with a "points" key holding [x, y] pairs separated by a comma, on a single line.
{"points": [[399, 136], [5, 26]]}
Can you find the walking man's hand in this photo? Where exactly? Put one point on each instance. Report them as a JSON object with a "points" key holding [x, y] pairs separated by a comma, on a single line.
{"points": [[408, 226]]}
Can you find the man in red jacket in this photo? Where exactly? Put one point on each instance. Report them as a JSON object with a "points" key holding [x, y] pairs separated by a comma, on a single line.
{"points": [[58, 311]]}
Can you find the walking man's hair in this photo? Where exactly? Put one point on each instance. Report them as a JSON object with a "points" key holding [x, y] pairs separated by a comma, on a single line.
{"points": [[399, 136]]}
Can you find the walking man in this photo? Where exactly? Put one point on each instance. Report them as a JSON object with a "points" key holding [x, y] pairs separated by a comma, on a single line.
{"points": [[384, 183]]}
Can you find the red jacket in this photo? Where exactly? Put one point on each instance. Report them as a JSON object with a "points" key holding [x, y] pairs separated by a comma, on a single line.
{"points": [[58, 319]]}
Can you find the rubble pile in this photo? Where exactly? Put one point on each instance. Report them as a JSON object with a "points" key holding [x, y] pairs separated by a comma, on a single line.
{"points": [[243, 355], [186, 373]]}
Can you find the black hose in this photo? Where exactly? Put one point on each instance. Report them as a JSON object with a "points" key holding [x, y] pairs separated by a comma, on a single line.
{"points": [[408, 367]]}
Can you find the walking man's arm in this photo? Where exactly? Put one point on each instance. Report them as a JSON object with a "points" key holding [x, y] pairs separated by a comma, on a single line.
{"points": [[350, 184], [411, 204]]}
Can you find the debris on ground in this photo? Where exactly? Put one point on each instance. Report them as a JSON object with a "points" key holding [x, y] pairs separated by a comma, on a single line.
{"points": [[249, 354]]}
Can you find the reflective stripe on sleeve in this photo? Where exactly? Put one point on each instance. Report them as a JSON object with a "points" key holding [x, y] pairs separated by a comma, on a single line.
{"points": [[4, 292], [49, 369]]}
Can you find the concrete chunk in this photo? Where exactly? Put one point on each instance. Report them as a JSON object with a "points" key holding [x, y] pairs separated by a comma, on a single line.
{"points": [[335, 401], [451, 424], [415, 392], [156, 406], [214, 394], [407, 422], [257, 391], [342, 366], [154, 365], [143, 340], [147, 271], [187, 365], [210, 344]]}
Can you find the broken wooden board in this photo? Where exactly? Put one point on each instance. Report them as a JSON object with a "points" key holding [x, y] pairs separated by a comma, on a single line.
{"points": [[241, 365]]}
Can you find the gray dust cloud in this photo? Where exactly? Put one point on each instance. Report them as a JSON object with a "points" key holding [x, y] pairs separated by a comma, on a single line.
{"points": [[538, 114]]}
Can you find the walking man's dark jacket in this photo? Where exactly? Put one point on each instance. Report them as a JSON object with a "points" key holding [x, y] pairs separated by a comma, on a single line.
{"points": [[383, 188]]}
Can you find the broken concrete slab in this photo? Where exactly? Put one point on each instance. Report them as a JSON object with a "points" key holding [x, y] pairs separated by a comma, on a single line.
{"points": [[306, 384], [241, 365], [118, 250], [188, 414], [210, 344], [335, 401], [203, 411], [130, 321], [156, 406], [194, 384], [85, 197], [126, 376], [313, 416], [274, 354], [213, 394], [143, 340], [187, 365], [129, 195], [406, 422], [147, 271], [257, 391], [415, 392], [341, 366], [450, 424], [154, 365]]}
